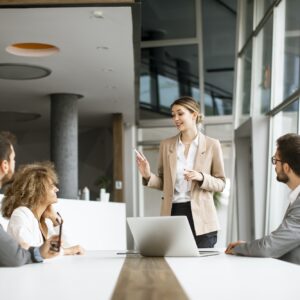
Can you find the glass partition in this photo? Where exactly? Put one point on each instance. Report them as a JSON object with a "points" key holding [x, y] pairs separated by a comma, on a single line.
{"points": [[168, 90], [167, 19], [261, 8], [245, 82], [247, 20], [292, 48], [264, 62], [167, 73], [145, 88], [219, 25]]}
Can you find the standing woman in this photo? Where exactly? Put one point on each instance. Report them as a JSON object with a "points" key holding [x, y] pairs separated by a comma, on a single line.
{"points": [[190, 170]]}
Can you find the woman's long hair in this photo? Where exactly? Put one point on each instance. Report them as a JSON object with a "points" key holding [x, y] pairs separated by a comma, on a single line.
{"points": [[28, 187]]}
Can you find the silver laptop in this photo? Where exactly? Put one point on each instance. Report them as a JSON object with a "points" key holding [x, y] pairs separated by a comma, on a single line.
{"points": [[165, 236]]}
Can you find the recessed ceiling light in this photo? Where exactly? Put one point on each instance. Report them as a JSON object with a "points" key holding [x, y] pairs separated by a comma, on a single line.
{"points": [[98, 14], [102, 48], [32, 49], [22, 71], [108, 86], [107, 70]]}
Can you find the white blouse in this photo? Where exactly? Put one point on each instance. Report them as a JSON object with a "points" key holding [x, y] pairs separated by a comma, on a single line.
{"points": [[24, 227], [182, 191]]}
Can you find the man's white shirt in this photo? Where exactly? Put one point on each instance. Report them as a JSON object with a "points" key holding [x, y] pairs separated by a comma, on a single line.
{"points": [[294, 194]]}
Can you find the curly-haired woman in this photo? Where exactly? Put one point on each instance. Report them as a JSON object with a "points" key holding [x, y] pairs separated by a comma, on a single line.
{"points": [[28, 204]]}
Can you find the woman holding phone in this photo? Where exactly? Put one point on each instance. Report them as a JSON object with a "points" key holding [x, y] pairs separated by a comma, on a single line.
{"points": [[28, 204], [190, 170]]}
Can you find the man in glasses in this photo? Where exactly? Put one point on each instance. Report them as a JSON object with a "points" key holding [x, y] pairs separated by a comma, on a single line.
{"points": [[11, 253], [284, 242]]}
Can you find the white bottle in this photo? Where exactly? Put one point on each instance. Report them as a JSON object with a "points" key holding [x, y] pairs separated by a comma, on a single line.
{"points": [[102, 194], [85, 195]]}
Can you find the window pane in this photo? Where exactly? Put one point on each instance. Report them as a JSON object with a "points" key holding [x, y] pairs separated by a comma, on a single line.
{"points": [[168, 91], [247, 20], [216, 102], [292, 48], [264, 40], [168, 19], [261, 8], [246, 62], [167, 73], [219, 26], [145, 89], [284, 122], [209, 104], [147, 82], [196, 93]]}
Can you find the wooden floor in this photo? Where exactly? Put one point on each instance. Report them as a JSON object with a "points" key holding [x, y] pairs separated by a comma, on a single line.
{"points": [[147, 278]]}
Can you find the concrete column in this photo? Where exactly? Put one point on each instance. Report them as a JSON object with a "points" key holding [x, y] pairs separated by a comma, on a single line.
{"points": [[64, 142]]}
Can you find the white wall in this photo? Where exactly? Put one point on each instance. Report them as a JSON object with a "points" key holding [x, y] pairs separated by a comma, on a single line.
{"points": [[94, 225]]}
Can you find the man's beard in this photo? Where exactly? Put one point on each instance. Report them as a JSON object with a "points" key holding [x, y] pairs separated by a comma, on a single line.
{"points": [[6, 178], [282, 177]]}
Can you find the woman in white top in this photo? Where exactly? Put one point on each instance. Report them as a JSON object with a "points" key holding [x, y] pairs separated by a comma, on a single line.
{"points": [[190, 170], [28, 206]]}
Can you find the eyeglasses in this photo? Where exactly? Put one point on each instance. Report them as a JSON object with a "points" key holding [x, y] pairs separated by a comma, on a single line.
{"points": [[274, 160]]}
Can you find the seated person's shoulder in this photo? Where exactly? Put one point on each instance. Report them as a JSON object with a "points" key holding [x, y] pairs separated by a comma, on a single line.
{"points": [[22, 211]]}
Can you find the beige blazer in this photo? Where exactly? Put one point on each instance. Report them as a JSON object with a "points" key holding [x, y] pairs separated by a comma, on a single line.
{"points": [[209, 161]]}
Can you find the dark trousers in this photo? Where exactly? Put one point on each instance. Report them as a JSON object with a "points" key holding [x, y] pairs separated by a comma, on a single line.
{"points": [[207, 240]]}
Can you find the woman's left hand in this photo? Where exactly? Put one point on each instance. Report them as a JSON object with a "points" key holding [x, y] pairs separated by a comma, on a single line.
{"points": [[74, 250], [51, 214], [192, 175]]}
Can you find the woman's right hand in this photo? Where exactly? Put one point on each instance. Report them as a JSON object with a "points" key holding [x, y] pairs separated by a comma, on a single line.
{"points": [[143, 166]]}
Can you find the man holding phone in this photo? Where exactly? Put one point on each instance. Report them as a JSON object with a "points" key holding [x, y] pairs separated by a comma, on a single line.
{"points": [[11, 253]]}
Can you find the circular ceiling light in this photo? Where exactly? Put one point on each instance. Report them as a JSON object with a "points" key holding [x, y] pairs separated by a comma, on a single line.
{"points": [[32, 49], [22, 71]]}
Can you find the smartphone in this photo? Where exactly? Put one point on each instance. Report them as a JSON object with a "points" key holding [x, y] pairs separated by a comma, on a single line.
{"points": [[55, 245], [138, 154]]}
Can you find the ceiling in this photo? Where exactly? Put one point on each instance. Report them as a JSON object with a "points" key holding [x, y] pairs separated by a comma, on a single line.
{"points": [[96, 60]]}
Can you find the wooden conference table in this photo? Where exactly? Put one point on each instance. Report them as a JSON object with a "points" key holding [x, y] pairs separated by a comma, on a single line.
{"points": [[106, 275]]}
